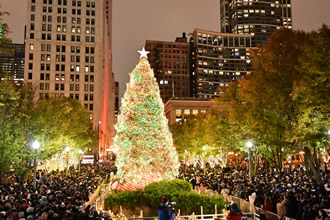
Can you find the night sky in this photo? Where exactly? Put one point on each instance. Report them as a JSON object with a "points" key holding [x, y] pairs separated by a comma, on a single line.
{"points": [[135, 21]]}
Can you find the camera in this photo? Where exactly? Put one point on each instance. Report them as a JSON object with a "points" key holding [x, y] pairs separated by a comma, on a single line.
{"points": [[171, 206], [228, 206]]}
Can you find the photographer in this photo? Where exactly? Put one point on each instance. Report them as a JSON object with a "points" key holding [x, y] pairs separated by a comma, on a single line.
{"points": [[164, 212]]}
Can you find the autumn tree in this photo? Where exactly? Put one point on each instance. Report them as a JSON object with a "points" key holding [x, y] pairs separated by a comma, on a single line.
{"points": [[311, 100], [55, 123], [261, 102]]}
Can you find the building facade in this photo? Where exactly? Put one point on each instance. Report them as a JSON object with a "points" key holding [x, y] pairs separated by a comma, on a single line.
{"points": [[13, 62], [258, 18], [170, 62], [217, 59], [68, 53], [178, 109]]}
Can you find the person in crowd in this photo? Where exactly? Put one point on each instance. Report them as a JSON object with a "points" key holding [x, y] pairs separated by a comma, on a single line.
{"points": [[164, 212], [298, 188], [235, 213], [282, 207], [57, 196], [307, 215], [322, 215]]}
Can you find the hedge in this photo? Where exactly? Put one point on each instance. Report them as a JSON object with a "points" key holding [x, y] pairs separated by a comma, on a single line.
{"points": [[180, 191]]}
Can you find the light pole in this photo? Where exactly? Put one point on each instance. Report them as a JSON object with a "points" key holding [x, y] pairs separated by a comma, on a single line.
{"points": [[100, 134], [249, 144], [67, 149], [80, 152], [35, 146]]}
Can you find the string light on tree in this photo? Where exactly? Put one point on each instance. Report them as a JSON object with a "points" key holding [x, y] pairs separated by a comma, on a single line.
{"points": [[143, 143]]}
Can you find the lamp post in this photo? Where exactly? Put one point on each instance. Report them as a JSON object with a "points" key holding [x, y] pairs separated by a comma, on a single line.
{"points": [[99, 148], [80, 152], [67, 149], [35, 146], [249, 144]]}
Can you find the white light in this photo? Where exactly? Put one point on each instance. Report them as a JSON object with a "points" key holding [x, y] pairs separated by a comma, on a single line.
{"points": [[80, 151], [67, 149], [329, 132], [36, 145], [249, 144], [204, 148], [185, 151]]}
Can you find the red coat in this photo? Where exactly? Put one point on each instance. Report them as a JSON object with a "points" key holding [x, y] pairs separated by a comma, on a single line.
{"points": [[232, 216]]}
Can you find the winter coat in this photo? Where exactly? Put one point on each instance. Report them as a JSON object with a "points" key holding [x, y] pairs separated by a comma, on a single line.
{"points": [[164, 213]]}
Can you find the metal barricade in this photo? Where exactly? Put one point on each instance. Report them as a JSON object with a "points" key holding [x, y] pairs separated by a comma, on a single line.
{"points": [[246, 216], [245, 206]]}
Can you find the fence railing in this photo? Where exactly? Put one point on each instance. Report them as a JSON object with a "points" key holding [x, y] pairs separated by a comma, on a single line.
{"points": [[245, 206], [95, 196], [246, 216]]}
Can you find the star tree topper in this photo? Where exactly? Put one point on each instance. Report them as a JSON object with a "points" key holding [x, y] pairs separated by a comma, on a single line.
{"points": [[143, 53]]}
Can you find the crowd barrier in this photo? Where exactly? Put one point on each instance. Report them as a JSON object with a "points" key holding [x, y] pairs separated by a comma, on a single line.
{"points": [[246, 216], [245, 206], [94, 197]]}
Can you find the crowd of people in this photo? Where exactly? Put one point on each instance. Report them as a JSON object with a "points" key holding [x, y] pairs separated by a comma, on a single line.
{"points": [[57, 195], [60, 196], [295, 195]]}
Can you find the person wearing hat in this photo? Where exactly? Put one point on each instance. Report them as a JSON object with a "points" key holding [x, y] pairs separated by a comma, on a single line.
{"points": [[235, 213], [164, 213]]}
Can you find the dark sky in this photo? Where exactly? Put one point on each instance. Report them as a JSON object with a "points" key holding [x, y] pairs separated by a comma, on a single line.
{"points": [[135, 21]]}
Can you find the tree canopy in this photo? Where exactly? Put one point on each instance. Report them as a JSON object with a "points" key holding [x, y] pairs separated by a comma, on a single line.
{"points": [[282, 107], [56, 122]]}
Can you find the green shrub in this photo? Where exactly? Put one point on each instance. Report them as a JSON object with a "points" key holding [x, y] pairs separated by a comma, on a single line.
{"points": [[180, 191]]}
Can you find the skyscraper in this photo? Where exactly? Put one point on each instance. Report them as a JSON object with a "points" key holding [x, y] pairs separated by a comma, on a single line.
{"points": [[258, 18], [170, 62], [68, 53], [13, 62], [217, 59]]}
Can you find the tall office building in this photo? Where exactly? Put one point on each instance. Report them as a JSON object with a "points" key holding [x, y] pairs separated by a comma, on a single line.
{"points": [[13, 62], [255, 17], [217, 59], [170, 62], [68, 53], [224, 16]]}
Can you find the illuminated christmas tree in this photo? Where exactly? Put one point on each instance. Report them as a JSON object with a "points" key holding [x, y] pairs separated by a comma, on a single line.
{"points": [[143, 143]]}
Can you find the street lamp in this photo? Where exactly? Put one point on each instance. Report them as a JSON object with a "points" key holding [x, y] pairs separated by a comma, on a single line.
{"points": [[249, 144], [100, 134], [67, 149], [35, 146], [80, 152]]}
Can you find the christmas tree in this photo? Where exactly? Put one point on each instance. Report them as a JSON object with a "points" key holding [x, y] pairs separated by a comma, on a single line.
{"points": [[143, 143]]}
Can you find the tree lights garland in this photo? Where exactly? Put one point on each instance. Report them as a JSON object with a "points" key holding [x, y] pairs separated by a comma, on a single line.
{"points": [[143, 142]]}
